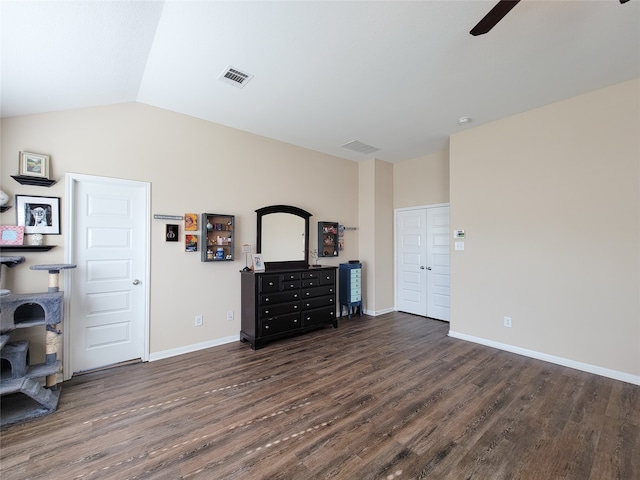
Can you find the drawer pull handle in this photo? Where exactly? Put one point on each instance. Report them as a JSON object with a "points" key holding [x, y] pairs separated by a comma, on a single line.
{"points": [[266, 312], [266, 327], [295, 306]]}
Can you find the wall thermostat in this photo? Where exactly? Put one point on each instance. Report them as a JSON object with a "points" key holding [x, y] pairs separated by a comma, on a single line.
{"points": [[458, 234]]}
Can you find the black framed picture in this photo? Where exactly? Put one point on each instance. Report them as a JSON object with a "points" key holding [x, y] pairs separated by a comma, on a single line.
{"points": [[38, 214], [171, 233]]}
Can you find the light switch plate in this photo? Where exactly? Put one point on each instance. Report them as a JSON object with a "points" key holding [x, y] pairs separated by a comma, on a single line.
{"points": [[459, 245]]}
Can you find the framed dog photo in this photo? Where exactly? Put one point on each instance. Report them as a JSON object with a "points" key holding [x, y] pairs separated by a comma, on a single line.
{"points": [[34, 165], [38, 214]]}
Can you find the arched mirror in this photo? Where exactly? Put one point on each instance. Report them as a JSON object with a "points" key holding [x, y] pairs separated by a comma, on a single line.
{"points": [[283, 237]]}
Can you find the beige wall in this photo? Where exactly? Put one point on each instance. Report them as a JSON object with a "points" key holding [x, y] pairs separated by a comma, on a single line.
{"points": [[193, 166], [376, 225], [550, 203], [421, 181]]}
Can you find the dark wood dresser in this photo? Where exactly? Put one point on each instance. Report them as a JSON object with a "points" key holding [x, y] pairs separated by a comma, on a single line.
{"points": [[280, 303]]}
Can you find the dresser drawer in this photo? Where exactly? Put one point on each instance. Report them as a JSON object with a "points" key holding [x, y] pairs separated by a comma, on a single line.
{"points": [[356, 295], [327, 277], [310, 282], [317, 302], [291, 284], [290, 276], [279, 309], [318, 316], [309, 275], [269, 283], [356, 282], [318, 291], [279, 297], [282, 323]]}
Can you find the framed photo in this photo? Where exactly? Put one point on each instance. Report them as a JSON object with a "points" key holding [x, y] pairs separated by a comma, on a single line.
{"points": [[191, 222], [11, 235], [34, 165], [171, 233], [38, 214], [190, 243], [258, 263]]}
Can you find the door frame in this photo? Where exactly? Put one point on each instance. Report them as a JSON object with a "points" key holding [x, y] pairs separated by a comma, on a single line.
{"points": [[395, 243], [71, 180]]}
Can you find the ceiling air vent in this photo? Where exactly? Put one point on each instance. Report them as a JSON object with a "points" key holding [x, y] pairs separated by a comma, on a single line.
{"points": [[357, 146], [235, 77]]}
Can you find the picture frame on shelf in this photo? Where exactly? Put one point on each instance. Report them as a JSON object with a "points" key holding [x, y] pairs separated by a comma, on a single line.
{"points": [[34, 165], [38, 214], [258, 262], [11, 235]]}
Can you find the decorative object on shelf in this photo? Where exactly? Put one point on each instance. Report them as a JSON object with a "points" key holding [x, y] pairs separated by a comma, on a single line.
{"points": [[190, 243], [171, 233], [314, 255], [38, 214], [191, 222], [217, 237], [246, 249], [328, 239], [37, 239], [11, 235], [34, 165], [4, 198], [258, 263]]}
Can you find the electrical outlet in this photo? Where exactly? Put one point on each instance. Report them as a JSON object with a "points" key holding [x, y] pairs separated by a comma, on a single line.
{"points": [[507, 322], [229, 315], [198, 320]]}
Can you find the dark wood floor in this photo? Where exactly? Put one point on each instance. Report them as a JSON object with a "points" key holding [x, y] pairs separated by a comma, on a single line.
{"points": [[390, 397]]}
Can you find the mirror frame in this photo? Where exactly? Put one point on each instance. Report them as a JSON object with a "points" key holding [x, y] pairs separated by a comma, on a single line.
{"points": [[291, 264]]}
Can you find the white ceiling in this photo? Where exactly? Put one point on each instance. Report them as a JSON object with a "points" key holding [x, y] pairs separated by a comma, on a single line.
{"points": [[392, 74]]}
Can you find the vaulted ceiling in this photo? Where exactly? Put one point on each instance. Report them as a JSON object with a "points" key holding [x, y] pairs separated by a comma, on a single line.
{"points": [[395, 75]]}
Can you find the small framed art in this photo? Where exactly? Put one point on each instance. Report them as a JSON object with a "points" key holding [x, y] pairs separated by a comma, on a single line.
{"points": [[34, 165], [258, 263], [11, 235], [171, 233], [38, 214]]}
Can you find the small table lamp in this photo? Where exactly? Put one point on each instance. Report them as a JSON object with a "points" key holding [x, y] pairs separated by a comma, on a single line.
{"points": [[246, 249]]}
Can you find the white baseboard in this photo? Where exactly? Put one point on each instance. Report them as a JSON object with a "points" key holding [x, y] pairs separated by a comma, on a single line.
{"points": [[172, 352], [375, 313], [565, 362]]}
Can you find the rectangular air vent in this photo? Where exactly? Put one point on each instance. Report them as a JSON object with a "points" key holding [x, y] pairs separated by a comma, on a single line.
{"points": [[235, 77], [357, 146]]}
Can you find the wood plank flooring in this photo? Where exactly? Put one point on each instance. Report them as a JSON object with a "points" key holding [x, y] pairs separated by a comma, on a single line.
{"points": [[390, 397]]}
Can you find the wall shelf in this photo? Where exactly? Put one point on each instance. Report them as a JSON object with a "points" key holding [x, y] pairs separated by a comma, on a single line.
{"points": [[26, 248], [35, 181]]}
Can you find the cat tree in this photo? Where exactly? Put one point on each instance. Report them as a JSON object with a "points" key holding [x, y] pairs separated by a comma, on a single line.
{"points": [[23, 395]]}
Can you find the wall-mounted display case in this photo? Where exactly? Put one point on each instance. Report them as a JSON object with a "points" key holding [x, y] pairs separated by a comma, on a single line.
{"points": [[217, 237], [328, 239]]}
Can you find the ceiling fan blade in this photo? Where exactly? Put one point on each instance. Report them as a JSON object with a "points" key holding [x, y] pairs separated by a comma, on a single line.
{"points": [[493, 17]]}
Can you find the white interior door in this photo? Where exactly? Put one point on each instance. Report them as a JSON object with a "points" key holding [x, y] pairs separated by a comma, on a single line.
{"points": [[438, 259], [109, 291], [422, 261], [411, 257]]}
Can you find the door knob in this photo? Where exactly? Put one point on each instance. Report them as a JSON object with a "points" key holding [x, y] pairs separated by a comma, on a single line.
{"points": [[136, 282], [428, 268], [421, 267]]}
